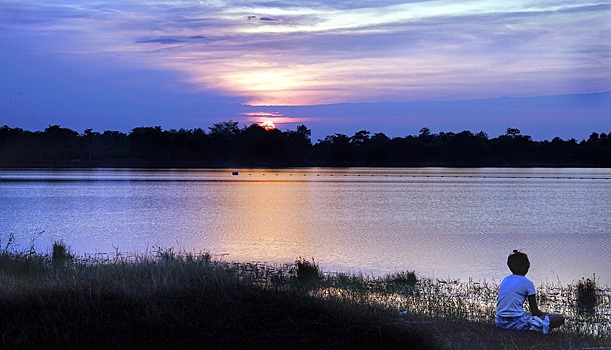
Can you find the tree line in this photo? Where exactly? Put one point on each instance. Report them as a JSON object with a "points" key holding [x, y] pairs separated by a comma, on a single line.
{"points": [[228, 144]]}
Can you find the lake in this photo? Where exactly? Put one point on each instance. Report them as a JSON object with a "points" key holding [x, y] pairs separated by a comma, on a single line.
{"points": [[447, 223]]}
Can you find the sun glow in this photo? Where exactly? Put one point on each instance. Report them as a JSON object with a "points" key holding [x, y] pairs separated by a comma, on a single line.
{"points": [[268, 125], [272, 120]]}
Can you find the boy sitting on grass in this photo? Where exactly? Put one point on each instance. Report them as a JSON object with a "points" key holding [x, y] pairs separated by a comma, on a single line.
{"points": [[514, 290]]}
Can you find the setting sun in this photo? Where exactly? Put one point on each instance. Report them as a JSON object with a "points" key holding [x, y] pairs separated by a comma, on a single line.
{"points": [[268, 125]]}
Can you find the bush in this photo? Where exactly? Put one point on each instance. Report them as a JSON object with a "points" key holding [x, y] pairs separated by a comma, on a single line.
{"points": [[587, 298], [307, 271], [403, 278], [60, 254]]}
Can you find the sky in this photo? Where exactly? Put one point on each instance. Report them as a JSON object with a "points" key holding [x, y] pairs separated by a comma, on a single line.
{"points": [[542, 66]]}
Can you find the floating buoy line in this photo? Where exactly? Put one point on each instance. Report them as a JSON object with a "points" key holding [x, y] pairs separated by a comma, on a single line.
{"points": [[235, 173]]}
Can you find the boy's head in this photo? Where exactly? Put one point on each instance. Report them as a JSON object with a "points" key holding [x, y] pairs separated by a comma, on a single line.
{"points": [[518, 263]]}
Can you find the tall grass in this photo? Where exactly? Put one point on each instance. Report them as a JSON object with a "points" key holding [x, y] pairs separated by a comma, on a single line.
{"points": [[168, 294], [416, 296]]}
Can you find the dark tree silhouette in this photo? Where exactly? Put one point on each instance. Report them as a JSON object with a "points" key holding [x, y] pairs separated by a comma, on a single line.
{"points": [[228, 144], [61, 142], [335, 149], [299, 146]]}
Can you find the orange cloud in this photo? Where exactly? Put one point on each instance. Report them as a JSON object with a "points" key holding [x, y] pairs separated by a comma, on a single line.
{"points": [[274, 118]]}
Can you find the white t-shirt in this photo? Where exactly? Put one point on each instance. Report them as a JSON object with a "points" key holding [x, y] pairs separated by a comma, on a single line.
{"points": [[512, 293]]}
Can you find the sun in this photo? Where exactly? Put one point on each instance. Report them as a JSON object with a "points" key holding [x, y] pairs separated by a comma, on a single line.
{"points": [[268, 125]]}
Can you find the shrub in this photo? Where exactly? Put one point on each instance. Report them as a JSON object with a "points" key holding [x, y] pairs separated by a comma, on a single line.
{"points": [[60, 254], [403, 278], [307, 271], [166, 255], [587, 298]]}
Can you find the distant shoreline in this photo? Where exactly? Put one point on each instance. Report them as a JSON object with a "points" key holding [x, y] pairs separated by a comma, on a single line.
{"points": [[227, 145]]}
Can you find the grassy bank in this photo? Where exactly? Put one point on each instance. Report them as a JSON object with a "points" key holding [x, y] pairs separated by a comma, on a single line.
{"points": [[171, 300]]}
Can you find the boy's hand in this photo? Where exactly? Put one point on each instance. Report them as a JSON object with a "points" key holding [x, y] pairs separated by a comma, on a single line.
{"points": [[534, 309]]}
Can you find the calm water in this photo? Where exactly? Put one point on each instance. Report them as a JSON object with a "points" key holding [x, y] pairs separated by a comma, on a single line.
{"points": [[441, 222]]}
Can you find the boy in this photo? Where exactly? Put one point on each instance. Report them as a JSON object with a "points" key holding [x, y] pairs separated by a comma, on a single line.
{"points": [[514, 290]]}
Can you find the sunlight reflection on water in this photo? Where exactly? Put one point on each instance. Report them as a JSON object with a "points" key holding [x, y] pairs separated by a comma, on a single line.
{"points": [[455, 223]]}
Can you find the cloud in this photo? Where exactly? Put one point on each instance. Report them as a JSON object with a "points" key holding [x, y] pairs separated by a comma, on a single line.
{"points": [[263, 19], [269, 19], [293, 52], [160, 41], [170, 40]]}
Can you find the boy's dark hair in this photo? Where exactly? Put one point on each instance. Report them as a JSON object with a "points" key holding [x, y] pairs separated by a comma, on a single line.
{"points": [[518, 263]]}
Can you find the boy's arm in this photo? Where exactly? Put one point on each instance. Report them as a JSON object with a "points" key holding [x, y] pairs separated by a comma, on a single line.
{"points": [[534, 309]]}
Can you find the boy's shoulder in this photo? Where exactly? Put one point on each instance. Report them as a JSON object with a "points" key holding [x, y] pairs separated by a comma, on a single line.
{"points": [[517, 282], [517, 276], [516, 279]]}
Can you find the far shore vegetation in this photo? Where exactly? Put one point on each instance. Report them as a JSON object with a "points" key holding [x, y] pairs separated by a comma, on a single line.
{"points": [[169, 299], [226, 144]]}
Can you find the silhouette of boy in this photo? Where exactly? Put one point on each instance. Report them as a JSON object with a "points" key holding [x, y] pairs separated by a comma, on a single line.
{"points": [[513, 292]]}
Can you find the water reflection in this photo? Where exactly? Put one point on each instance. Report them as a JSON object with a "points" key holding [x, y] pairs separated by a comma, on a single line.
{"points": [[455, 223], [264, 220]]}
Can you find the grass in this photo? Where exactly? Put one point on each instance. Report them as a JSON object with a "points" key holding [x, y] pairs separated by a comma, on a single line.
{"points": [[186, 300]]}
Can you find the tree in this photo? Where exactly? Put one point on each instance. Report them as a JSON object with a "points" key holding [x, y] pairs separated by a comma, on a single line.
{"points": [[360, 138], [228, 144], [298, 145], [148, 143], [335, 149], [90, 144], [425, 135], [114, 145], [594, 137], [514, 148], [226, 130], [304, 132], [224, 141], [61, 142], [512, 132], [253, 143], [18, 146]]}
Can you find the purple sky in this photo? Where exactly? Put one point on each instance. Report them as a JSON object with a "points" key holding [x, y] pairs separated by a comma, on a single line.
{"points": [[389, 66]]}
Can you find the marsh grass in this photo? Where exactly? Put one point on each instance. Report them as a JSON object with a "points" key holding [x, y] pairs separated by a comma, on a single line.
{"points": [[23, 263], [407, 293], [60, 254], [587, 295], [177, 299], [307, 272]]}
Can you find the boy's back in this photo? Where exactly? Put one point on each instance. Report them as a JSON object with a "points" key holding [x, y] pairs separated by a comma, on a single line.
{"points": [[512, 294]]}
